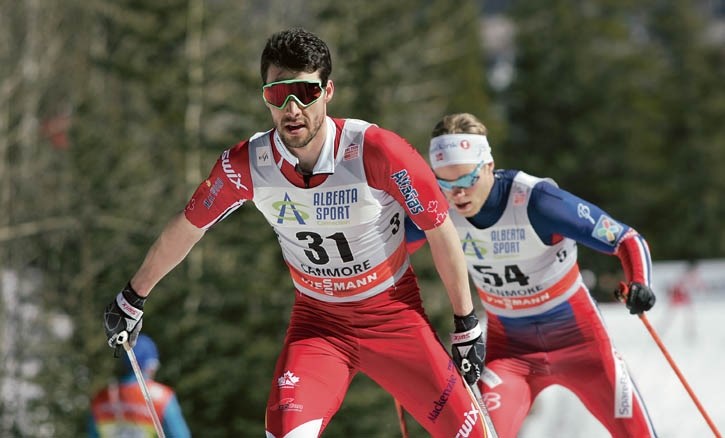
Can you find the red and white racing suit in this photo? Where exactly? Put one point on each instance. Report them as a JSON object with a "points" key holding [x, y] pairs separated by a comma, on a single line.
{"points": [[357, 303]]}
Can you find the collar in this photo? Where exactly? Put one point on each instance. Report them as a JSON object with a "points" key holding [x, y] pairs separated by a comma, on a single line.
{"points": [[495, 204], [325, 162]]}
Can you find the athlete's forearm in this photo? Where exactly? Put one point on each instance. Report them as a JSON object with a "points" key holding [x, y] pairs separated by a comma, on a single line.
{"points": [[633, 253], [451, 265], [171, 247]]}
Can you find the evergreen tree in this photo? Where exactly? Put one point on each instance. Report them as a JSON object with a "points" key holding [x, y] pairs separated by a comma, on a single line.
{"points": [[39, 369], [403, 65], [594, 106], [693, 102], [182, 90], [147, 95]]}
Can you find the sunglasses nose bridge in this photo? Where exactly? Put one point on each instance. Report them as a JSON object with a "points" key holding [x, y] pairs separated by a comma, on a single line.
{"points": [[292, 104]]}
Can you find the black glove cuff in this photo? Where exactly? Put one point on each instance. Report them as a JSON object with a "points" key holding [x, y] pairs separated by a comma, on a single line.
{"points": [[132, 297], [465, 323]]}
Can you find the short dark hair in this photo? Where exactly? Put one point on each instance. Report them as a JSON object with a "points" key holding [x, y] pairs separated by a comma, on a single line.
{"points": [[298, 50]]}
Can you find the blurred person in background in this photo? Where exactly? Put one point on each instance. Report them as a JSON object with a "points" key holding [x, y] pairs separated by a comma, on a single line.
{"points": [[120, 410], [336, 192], [519, 234], [680, 300]]}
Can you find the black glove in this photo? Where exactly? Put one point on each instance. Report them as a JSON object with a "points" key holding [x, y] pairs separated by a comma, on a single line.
{"points": [[637, 296], [122, 318], [468, 347]]}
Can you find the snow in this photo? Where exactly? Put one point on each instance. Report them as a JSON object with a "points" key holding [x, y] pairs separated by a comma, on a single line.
{"points": [[698, 350]]}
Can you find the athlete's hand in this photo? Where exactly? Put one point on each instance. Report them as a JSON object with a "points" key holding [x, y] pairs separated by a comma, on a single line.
{"points": [[468, 347], [637, 296], [122, 318]]}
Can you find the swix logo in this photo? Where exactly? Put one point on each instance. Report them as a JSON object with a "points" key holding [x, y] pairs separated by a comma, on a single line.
{"points": [[294, 212], [469, 421], [128, 308], [287, 380], [233, 176], [471, 247]]}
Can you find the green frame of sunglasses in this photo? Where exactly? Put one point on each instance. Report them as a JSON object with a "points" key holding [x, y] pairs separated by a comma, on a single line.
{"points": [[292, 96]]}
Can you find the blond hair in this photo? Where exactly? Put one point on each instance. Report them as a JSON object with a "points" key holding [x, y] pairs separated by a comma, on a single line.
{"points": [[459, 123]]}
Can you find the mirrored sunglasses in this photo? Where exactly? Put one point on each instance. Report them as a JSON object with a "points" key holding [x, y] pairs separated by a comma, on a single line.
{"points": [[304, 92], [465, 182]]}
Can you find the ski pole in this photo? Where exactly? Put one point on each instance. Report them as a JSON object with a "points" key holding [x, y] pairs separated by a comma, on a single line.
{"points": [[677, 371], [490, 430], [123, 339], [488, 424], [401, 419], [621, 294]]}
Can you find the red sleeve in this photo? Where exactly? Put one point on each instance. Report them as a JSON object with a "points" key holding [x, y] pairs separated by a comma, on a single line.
{"points": [[229, 184], [633, 253], [394, 166]]}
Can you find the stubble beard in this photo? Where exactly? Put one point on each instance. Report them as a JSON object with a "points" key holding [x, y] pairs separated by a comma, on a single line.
{"points": [[298, 143]]}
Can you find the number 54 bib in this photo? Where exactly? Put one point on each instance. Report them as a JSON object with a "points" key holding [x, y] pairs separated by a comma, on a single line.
{"points": [[515, 273]]}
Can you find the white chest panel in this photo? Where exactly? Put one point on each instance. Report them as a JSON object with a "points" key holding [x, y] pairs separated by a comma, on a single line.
{"points": [[515, 273], [342, 240]]}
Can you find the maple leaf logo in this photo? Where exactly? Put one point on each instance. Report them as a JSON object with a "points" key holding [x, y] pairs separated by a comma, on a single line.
{"points": [[288, 380]]}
